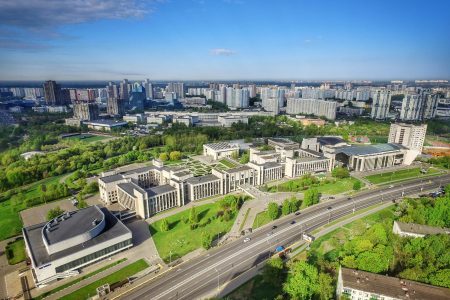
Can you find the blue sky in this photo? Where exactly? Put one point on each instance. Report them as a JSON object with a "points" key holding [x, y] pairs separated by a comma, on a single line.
{"points": [[224, 39]]}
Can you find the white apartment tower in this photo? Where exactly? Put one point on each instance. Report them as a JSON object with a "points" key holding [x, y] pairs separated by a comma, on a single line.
{"points": [[320, 108], [380, 105], [412, 107], [408, 135]]}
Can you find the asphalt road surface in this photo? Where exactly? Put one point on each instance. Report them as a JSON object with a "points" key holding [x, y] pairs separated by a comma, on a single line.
{"points": [[204, 275]]}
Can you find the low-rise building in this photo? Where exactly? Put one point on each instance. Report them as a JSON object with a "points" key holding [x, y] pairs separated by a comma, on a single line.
{"points": [[359, 285], [229, 120], [417, 230], [106, 125], [220, 150], [59, 248]]}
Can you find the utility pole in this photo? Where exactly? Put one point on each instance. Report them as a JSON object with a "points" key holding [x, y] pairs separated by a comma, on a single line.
{"points": [[218, 282]]}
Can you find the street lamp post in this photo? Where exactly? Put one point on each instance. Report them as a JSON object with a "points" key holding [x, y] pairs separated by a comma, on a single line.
{"points": [[170, 257], [218, 282]]}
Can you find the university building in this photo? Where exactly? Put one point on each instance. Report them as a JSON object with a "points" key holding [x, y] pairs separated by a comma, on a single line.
{"points": [[59, 248]]}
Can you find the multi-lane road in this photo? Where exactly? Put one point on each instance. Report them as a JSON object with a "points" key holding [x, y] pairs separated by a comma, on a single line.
{"points": [[204, 275]]}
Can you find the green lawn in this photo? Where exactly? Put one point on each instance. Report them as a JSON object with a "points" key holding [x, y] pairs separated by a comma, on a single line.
{"points": [[336, 186], [10, 223], [180, 239], [228, 163], [340, 186], [400, 175], [70, 283], [261, 219], [90, 290], [15, 252], [88, 138]]}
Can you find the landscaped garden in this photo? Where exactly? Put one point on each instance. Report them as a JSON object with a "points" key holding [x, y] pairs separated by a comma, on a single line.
{"points": [[197, 227], [88, 138], [324, 185], [15, 251], [401, 175]]}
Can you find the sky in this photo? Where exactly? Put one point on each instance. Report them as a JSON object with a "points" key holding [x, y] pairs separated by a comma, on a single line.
{"points": [[224, 39]]}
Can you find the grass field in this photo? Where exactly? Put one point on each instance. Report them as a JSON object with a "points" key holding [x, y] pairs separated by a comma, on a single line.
{"points": [[400, 175], [70, 283], [88, 138], [124, 273], [331, 188], [228, 163], [180, 239], [15, 252], [10, 223], [340, 186], [261, 219]]}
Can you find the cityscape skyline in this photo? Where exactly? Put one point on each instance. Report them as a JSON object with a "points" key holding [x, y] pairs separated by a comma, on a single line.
{"points": [[224, 40]]}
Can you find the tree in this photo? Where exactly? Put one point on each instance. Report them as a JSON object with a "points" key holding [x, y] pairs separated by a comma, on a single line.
{"points": [[294, 204], [164, 225], [163, 156], [286, 207], [90, 188], [82, 204], [273, 211], [326, 287], [357, 185], [193, 215], [175, 155], [54, 212], [311, 197], [303, 282], [206, 240], [245, 158], [340, 172], [273, 271], [235, 155]]}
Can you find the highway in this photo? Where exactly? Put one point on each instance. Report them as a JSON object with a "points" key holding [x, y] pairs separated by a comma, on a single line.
{"points": [[203, 275]]}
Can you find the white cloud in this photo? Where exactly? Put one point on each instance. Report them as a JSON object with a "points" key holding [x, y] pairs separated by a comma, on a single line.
{"points": [[222, 52]]}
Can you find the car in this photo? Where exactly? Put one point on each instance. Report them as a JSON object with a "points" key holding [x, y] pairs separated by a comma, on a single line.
{"points": [[292, 222], [269, 233], [297, 213], [329, 208], [331, 198], [247, 239], [391, 186], [274, 227]]}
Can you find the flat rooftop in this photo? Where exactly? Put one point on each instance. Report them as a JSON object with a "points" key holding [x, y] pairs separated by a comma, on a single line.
{"points": [[202, 179], [391, 286], [369, 149], [33, 234], [160, 189], [330, 140], [221, 146], [72, 224], [111, 178]]}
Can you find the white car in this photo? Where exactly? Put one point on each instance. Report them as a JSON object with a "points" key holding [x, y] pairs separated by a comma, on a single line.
{"points": [[247, 240]]}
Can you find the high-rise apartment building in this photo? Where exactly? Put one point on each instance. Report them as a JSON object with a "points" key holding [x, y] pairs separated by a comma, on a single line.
{"points": [[124, 90], [237, 98], [408, 135], [85, 111], [176, 87], [148, 89], [381, 101], [320, 108], [412, 107], [52, 93], [272, 105], [115, 107], [431, 104]]}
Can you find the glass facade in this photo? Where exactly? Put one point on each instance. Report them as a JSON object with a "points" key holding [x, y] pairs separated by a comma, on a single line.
{"points": [[93, 256]]}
